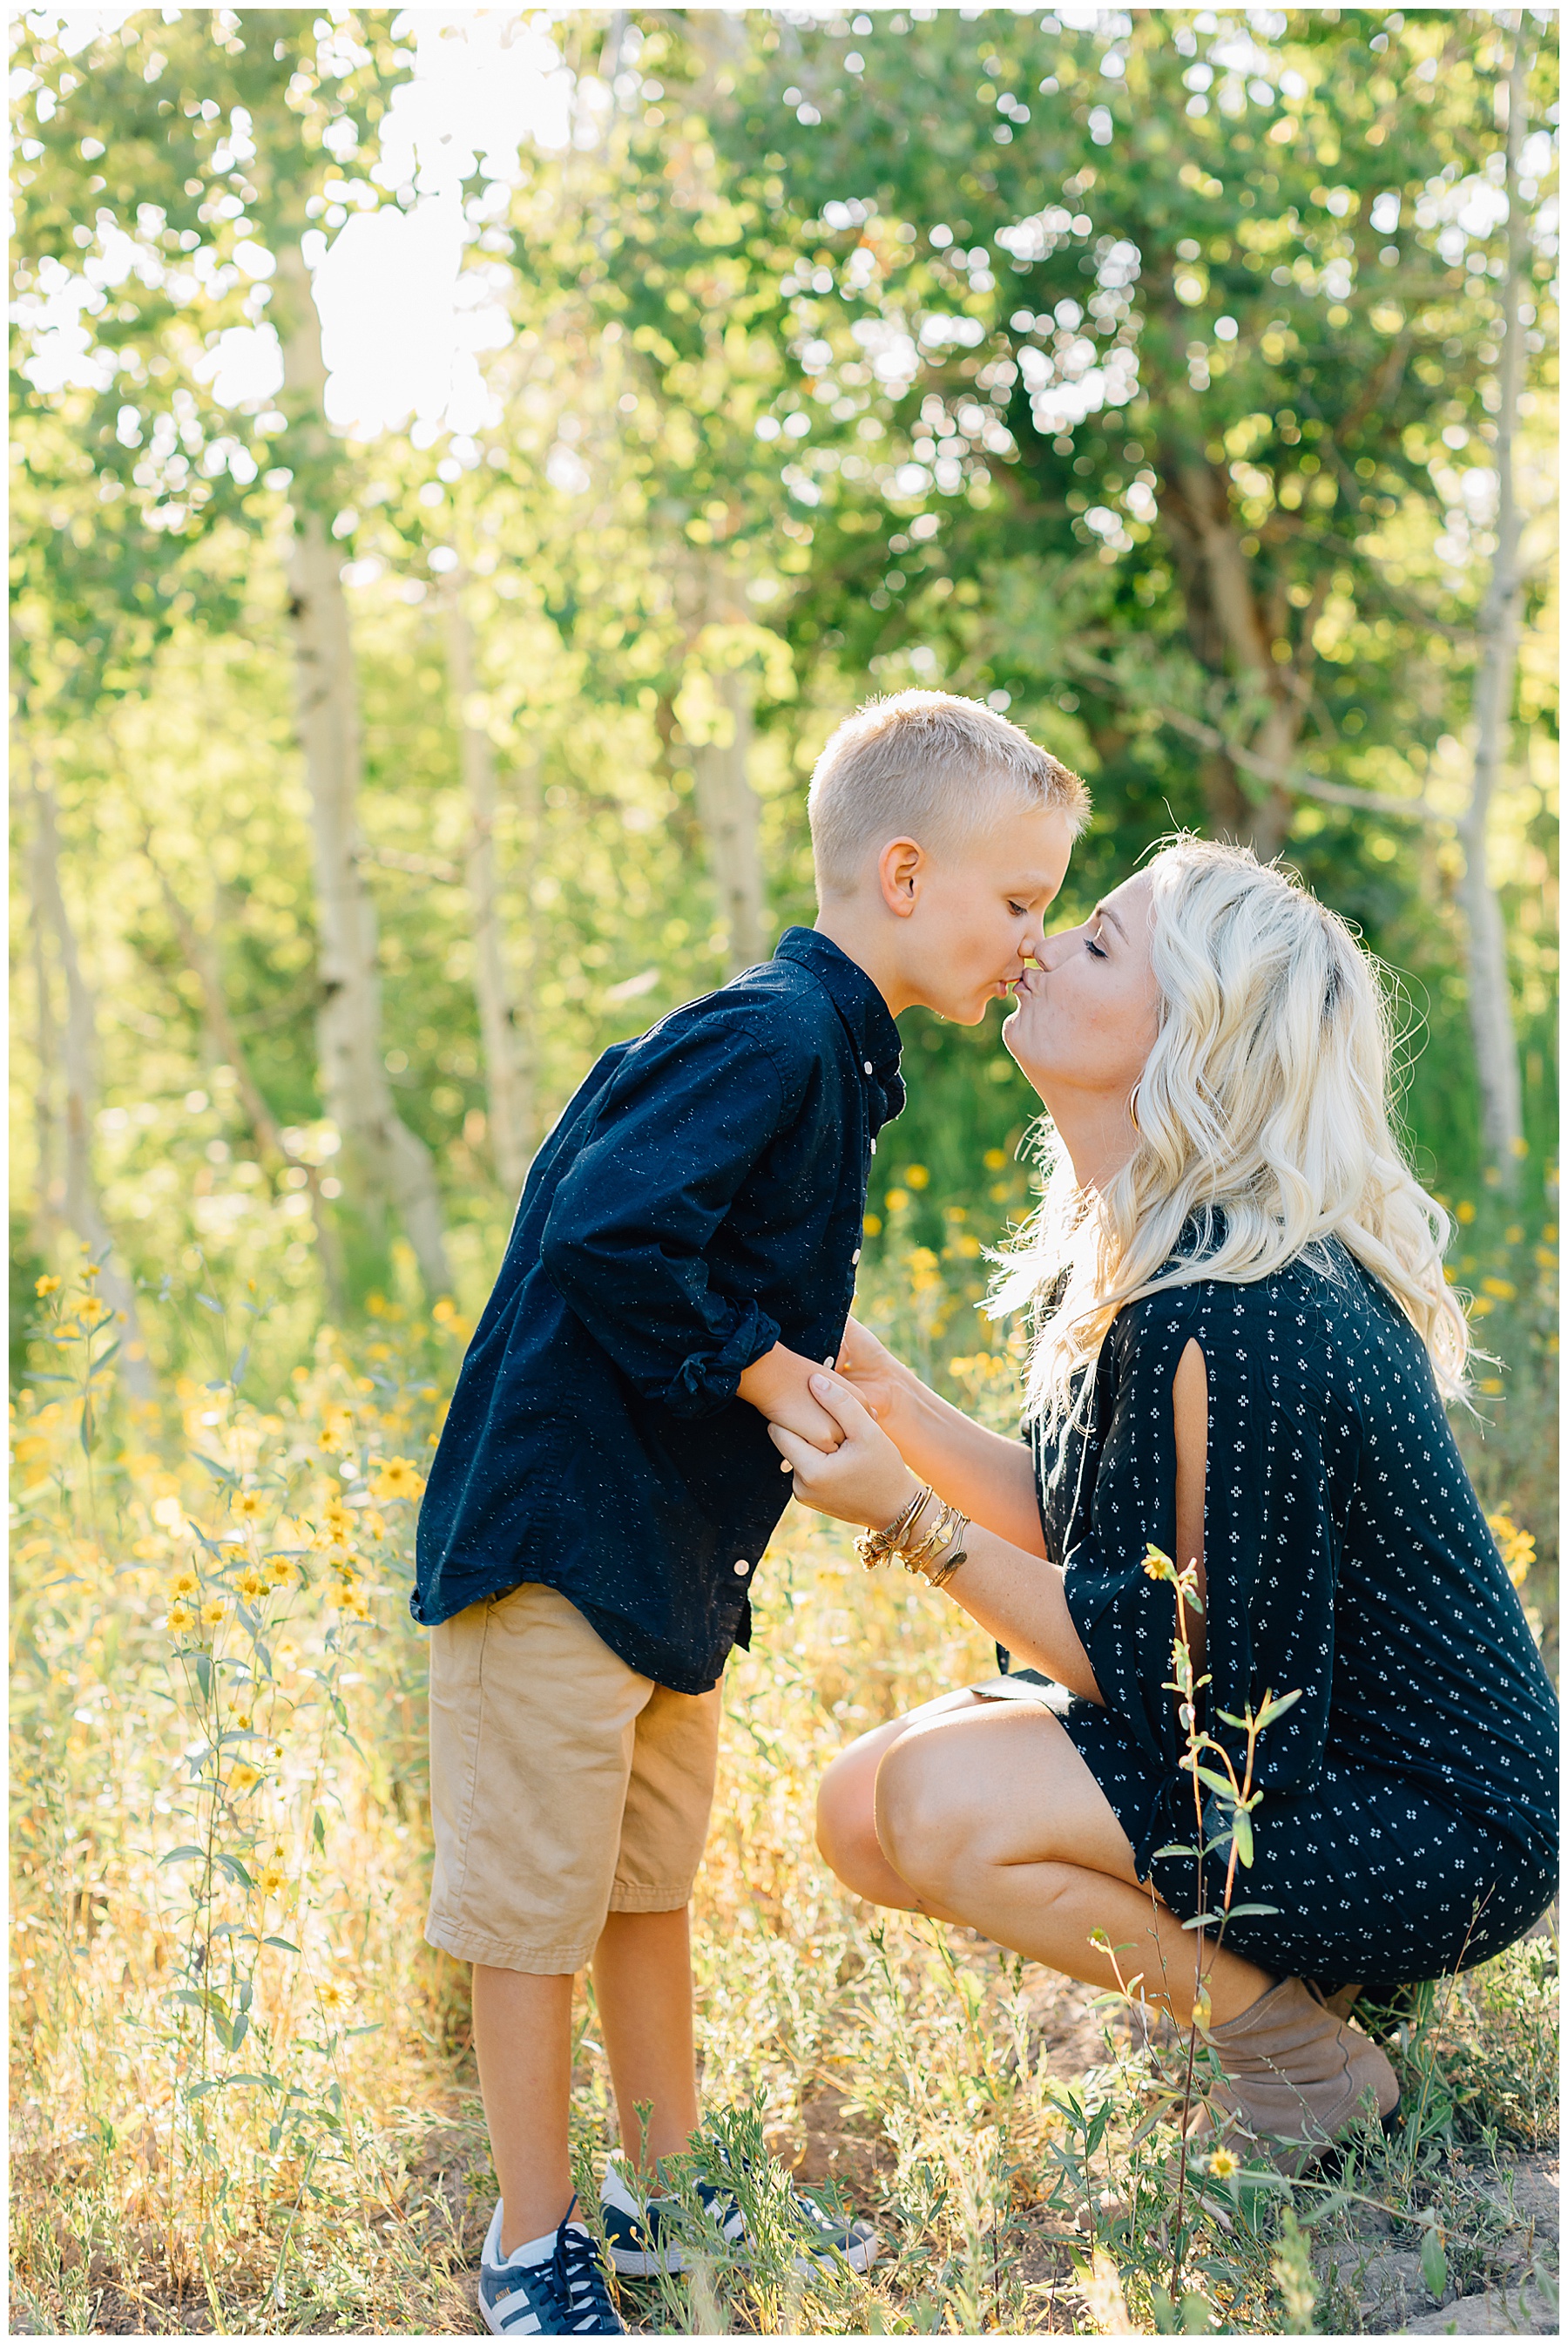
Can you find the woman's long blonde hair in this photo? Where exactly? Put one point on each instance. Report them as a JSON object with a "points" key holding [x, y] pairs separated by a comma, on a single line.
{"points": [[1262, 1117]]}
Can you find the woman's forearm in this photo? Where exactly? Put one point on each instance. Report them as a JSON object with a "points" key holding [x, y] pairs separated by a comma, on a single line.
{"points": [[1021, 1600], [990, 1477]]}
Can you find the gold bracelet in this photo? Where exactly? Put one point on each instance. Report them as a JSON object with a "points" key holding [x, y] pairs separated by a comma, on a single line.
{"points": [[948, 1533], [876, 1546]]}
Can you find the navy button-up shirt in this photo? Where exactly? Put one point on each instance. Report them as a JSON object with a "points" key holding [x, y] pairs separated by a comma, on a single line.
{"points": [[699, 1200]]}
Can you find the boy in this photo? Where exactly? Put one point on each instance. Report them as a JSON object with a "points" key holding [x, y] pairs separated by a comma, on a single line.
{"points": [[682, 1259]]}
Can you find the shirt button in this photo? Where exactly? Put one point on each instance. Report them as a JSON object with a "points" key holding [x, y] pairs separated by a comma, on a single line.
{"points": [[867, 1063], [829, 1361], [856, 1255], [742, 1568]]}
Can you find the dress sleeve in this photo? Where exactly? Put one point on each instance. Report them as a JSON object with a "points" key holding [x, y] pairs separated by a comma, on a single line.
{"points": [[1277, 1455], [626, 1240]]}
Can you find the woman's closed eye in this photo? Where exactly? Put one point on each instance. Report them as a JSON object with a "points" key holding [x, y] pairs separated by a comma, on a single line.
{"points": [[1099, 951]]}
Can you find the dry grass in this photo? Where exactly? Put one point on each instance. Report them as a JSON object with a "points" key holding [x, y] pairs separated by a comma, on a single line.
{"points": [[242, 2096]]}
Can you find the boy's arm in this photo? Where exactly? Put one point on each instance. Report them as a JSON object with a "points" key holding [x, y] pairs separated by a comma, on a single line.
{"points": [[627, 1238]]}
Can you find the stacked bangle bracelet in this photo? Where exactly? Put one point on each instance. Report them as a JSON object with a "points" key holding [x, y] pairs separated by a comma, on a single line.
{"points": [[935, 1557]]}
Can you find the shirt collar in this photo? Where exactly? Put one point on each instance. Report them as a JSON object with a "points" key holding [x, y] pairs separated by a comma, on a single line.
{"points": [[864, 1014]]}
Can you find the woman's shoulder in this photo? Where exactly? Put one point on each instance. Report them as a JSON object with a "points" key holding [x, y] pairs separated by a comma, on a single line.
{"points": [[1319, 1291]]}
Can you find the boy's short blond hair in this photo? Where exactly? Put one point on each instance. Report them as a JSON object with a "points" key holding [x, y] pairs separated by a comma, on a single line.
{"points": [[929, 766]]}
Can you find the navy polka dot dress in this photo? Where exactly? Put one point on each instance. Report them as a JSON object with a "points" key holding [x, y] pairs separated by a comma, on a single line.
{"points": [[1409, 1822]]}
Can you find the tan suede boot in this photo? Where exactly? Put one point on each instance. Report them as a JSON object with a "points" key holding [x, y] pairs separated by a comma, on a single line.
{"points": [[1295, 2075]]}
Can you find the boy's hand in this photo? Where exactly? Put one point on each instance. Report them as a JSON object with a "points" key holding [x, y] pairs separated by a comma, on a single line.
{"points": [[778, 1386], [865, 1480]]}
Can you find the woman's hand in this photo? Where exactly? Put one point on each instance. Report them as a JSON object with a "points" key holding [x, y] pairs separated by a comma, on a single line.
{"points": [[872, 1372], [864, 1480]]}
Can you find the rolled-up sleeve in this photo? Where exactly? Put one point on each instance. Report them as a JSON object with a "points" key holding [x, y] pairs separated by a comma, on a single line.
{"points": [[1270, 1545], [626, 1243]]}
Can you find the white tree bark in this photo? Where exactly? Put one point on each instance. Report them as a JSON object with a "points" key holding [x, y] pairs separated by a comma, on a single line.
{"points": [[79, 1061], [1490, 1003], [505, 1025], [383, 1158], [202, 959], [727, 810], [726, 806], [47, 1195]]}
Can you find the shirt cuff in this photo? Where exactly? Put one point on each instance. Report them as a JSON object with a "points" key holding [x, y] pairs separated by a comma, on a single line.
{"points": [[707, 1379]]}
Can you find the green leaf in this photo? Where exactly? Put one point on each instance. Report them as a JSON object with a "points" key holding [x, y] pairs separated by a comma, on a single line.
{"points": [[1434, 2266], [1241, 1832], [1204, 1921], [183, 1855], [1220, 1782], [204, 1673], [282, 1943], [318, 1830], [1238, 1910], [235, 1870], [1276, 1707], [1174, 1850]]}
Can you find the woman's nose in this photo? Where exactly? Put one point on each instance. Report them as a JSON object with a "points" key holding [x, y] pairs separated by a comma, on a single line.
{"points": [[1053, 950]]}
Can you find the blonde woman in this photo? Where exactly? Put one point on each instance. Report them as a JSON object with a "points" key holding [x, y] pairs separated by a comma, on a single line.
{"points": [[1243, 1347]]}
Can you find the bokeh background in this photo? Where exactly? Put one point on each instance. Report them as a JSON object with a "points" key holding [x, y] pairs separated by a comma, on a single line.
{"points": [[464, 464]]}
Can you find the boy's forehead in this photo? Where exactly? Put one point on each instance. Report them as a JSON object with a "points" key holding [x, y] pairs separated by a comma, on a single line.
{"points": [[1031, 841]]}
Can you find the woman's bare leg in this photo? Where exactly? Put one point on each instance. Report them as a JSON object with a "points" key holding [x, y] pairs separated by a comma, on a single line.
{"points": [[984, 1812]]}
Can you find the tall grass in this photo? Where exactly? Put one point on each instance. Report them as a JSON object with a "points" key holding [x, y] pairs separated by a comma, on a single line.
{"points": [[243, 2091]]}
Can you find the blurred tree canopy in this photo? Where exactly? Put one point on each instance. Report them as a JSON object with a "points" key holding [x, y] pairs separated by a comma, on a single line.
{"points": [[1141, 373]]}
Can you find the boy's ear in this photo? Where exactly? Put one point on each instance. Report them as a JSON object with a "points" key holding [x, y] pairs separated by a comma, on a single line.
{"points": [[900, 867]]}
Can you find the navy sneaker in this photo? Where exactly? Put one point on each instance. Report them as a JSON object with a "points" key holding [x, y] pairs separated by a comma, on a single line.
{"points": [[643, 2231], [565, 2295]]}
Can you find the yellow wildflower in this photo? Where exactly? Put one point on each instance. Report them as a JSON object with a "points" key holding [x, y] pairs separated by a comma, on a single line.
{"points": [[249, 1504], [341, 1597], [331, 1995], [91, 1268], [1501, 1286], [1464, 1212], [399, 1477], [181, 1617], [90, 1309], [1158, 1565], [251, 1583], [330, 1440], [994, 1158], [1223, 2163], [898, 1200], [1516, 1547], [213, 1611], [46, 1286], [373, 1524], [917, 1176], [337, 1516], [872, 1225], [244, 1777], [280, 1571], [272, 1875], [185, 1581]]}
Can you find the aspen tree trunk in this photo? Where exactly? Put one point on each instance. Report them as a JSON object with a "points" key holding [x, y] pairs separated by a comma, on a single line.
{"points": [[726, 806], [46, 1208], [727, 810], [202, 960], [1490, 1006], [505, 1028], [79, 1056], [383, 1157]]}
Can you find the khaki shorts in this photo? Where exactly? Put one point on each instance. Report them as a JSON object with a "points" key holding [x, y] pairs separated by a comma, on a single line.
{"points": [[564, 1785]]}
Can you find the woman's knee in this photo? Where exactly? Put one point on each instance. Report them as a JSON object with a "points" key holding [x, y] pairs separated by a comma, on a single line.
{"points": [[923, 1818], [846, 1825]]}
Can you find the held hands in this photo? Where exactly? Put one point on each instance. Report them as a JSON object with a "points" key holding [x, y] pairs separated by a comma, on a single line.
{"points": [[863, 1479], [778, 1386], [875, 1377]]}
